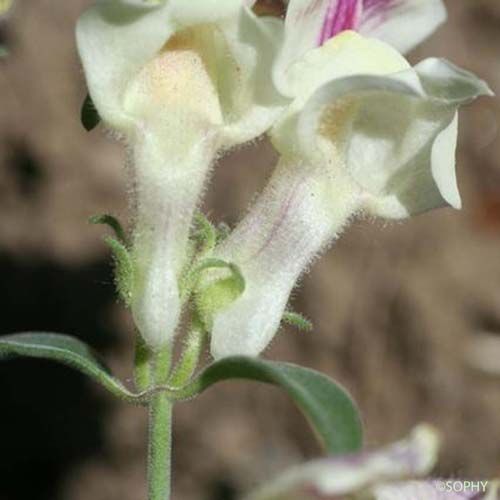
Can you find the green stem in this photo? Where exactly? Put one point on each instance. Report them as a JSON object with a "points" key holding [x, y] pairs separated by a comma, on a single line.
{"points": [[160, 447], [160, 431]]}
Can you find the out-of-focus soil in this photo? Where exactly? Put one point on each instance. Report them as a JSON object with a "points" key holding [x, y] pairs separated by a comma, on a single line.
{"points": [[394, 305]]}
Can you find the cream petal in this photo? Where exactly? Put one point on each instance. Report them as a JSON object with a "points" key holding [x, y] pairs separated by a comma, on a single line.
{"points": [[346, 54], [303, 24], [401, 23], [108, 36], [395, 135], [283, 232], [335, 477], [249, 100], [167, 192]]}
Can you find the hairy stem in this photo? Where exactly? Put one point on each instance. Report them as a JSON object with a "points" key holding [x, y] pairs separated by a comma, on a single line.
{"points": [[160, 447], [160, 433]]}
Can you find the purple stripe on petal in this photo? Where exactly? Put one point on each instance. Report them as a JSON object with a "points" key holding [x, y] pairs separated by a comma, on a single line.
{"points": [[377, 11], [341, 15]]}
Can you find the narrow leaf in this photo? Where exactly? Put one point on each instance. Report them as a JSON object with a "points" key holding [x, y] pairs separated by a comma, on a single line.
{"points": [[66, 350], [327, 406]]}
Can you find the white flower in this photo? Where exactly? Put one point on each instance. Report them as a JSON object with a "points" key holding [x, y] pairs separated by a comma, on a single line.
{"points": [[364, 133], [387, 474], [356, 476], [178, 81], [310, 23]]}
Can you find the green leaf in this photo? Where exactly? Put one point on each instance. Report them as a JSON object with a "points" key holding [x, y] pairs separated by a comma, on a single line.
{"points": [[327, 406], [89, 116], [66, 350]]}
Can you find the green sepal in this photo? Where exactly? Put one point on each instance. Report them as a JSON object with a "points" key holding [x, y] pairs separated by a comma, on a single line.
{"points": [[4, 51], [300, 322], [68, 351], [113, 223], [218, 294], [194, 275], [89, 116], [328, 407], [123, 268]]}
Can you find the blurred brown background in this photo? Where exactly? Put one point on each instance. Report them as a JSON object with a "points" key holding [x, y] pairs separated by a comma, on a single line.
{"points": [[394, 306]]}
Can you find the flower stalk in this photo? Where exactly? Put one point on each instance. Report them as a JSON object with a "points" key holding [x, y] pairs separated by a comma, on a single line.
{"points": [[160, 447], [160, 431]]}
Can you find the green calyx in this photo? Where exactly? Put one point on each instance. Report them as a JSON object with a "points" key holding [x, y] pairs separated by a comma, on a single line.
{"points": [[220, 292], [210, 284]]}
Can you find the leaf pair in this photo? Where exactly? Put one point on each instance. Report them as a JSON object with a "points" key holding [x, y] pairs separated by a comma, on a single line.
{"points": [[327, 406]]}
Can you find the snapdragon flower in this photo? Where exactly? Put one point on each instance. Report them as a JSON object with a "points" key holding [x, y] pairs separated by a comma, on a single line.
{"points": [[364, 133], [388, 474], [178, 82], [400, 23]]}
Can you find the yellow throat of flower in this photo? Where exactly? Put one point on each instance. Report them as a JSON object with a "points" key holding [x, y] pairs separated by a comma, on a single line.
{"points": [[177, 89]]}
